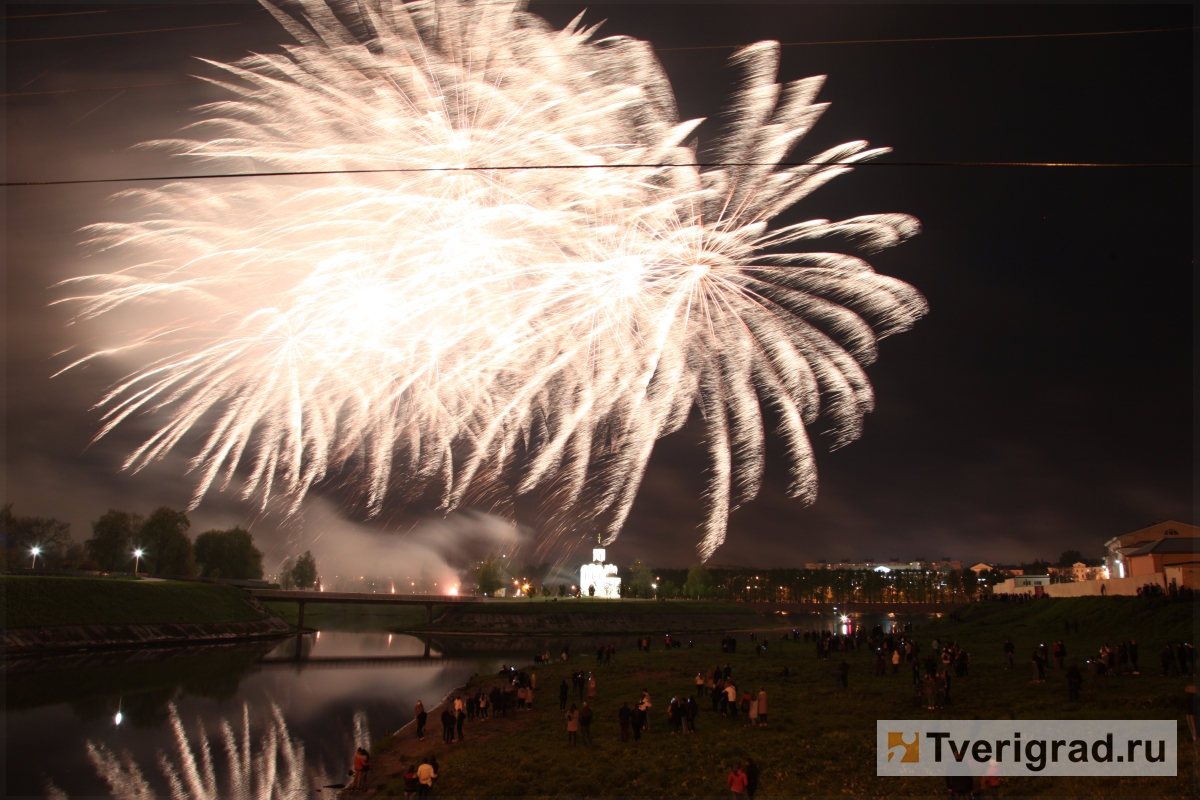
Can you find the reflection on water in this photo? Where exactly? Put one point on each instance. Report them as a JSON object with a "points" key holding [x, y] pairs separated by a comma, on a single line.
{"points": [[277, 771], [113, 722]]}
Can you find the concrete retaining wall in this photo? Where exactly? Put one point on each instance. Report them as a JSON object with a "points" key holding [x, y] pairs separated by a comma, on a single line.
{"points": [[1112, 586], [82, 637]]}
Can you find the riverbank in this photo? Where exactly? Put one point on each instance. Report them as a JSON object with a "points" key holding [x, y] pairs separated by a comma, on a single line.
{"points": [[821, 739], [590, 616], [48, 613]]}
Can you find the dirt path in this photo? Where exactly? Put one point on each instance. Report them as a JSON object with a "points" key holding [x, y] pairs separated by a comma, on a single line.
{"points": [[404, 748]]}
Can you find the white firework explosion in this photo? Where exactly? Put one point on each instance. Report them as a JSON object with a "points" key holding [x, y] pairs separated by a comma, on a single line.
{"points": [[510, 271]]}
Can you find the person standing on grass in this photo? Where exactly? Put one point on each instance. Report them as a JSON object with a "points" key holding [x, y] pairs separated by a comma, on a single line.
{"points": [[731, 696], [1010, 652], [691, 711], [585, 723], [1133, 655], [699, 684], [461, 718], [644, 706], [751, 770], [564, 692], [751, 706], [591, 689], [624, 715], [420, 715], [411, 783], [737, 781], [425, 778], [843, 672], [447, 726], [1074, 681], [361, 765], [573, 725], [762, 706], [639, 722]]}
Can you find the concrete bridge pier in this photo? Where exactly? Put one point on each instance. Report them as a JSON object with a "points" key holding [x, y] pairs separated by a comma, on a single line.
{"points": [[300, 621]]}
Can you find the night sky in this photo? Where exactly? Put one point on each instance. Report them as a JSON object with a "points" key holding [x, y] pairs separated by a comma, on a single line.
{"points": [[1045, 403]]}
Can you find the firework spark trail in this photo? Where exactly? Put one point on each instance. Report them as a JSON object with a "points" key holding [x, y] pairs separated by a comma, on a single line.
{"points": [[463, 329], [276, 772]]}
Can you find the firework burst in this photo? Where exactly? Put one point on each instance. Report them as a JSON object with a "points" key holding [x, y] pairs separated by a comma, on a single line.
{"points": [[441, 308]]}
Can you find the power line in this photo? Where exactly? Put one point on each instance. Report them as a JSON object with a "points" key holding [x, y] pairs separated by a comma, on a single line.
{"points": [[938, 39], [399, 170], [657, 50], [676, 49], [131, 33]]}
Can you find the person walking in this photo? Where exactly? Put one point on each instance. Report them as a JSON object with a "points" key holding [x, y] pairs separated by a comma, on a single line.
{"points": [[762, 706], [585, 724], [426, 775], [411, 783], [737, 781], [573, 725], [564, 691], [421, 717], [624, 716]]}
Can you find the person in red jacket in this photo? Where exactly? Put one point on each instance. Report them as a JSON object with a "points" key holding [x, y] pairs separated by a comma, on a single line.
{"points": [[362, 763], [737, 781]]}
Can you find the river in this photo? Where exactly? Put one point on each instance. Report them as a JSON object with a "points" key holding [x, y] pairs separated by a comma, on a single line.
{"points": [[227, 721]]}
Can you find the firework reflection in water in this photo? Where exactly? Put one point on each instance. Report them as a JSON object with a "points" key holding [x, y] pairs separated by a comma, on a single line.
{"points": [[277, 772], [517, 275]]}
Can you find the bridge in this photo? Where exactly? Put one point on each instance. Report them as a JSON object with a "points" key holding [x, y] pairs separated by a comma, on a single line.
{"points": [[362, 598]]}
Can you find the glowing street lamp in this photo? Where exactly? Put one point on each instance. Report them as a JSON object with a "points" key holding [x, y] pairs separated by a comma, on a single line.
{"points": [[35, 552], [137, 557]]}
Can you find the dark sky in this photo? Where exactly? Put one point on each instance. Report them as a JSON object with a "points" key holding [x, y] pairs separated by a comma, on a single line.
{"points": [[1045, 403]]}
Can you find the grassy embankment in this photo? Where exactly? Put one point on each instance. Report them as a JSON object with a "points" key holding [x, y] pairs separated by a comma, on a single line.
{"points": [[28, 601], [821, 740]]}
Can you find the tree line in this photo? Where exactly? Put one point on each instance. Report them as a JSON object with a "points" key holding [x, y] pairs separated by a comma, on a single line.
{"points": [[161, 538]]}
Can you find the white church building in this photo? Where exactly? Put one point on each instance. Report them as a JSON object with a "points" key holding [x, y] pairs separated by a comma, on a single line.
{"points": [[599, 575]]}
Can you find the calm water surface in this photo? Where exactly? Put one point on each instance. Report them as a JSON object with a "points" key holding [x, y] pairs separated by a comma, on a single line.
{"points": [[323, 693]]}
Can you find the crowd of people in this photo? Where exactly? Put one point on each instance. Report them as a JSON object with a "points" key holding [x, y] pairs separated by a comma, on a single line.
{"points": [[933, 673]]}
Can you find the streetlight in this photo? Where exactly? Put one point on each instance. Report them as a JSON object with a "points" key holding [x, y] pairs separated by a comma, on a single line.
{"points": [[137, 557], [35, 552]]}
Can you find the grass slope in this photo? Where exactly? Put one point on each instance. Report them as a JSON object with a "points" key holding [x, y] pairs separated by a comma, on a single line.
{"points": [[28, 601], [821, 740]]}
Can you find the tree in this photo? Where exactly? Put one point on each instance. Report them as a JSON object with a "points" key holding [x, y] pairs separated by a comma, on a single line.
{"points": [[164, 540], [1069, 557], [111, 545], [229, 554], [285, 574], [699, 583], [637, 584], [490, 576], [304, 574], [22, 534]]}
